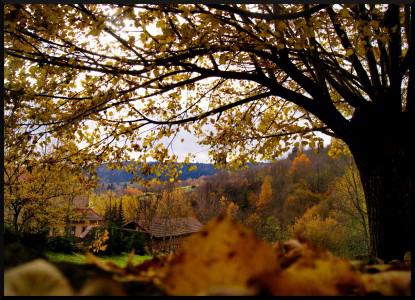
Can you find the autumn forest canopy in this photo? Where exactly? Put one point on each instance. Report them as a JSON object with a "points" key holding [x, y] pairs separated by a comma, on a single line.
{"points": [[93, 84]]}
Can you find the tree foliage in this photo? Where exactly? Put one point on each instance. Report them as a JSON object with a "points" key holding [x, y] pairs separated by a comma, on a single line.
{"points": [[102, 74], [39, 197], [265, 194]]}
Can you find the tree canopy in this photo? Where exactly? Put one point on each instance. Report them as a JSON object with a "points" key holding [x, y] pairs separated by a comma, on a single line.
{"points": [[116, 78]]}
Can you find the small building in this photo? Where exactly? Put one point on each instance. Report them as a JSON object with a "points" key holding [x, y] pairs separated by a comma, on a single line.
{"points": [[88, 219], [80, 226], [165, 234]]}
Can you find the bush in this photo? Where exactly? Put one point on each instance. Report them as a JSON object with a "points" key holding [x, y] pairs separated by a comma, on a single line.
{"points": [[16, 253], [37, 241], [20, 248], [9, 236], [115, 243], [61, 244], [100, 243], [136, 242]]}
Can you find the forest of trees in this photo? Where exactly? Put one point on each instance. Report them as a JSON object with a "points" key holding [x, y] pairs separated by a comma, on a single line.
{"points": [[308, 195]]}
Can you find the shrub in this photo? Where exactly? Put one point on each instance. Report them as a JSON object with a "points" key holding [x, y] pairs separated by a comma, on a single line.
{"points": [[22, 247], [16, 253], [9, 236], [136, 241], [61, 244], [100, 243], [37, 241], [115, 243]]}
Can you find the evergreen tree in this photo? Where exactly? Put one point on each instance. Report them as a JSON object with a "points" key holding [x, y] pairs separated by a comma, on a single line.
{"points": [[120, 220], [114, 227]]}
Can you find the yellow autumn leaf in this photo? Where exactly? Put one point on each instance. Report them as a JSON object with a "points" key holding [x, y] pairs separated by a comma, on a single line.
{"points": [[223, 58], [32, 70], [349, 52], [314, 277], [192, 168], [344, 13], [281, 26], [223, 256], [280, 46]]}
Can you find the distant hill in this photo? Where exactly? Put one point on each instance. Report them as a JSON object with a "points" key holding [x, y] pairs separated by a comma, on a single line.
{"points": [[118, 176]]}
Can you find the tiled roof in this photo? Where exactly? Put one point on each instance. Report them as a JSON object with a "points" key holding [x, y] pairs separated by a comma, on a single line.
{"points": [[89, 214], [171, 227]]}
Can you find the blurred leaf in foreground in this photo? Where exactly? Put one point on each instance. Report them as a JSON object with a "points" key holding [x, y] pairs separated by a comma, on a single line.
{"points": [[36, 278], [388, 283], [221, 259]]}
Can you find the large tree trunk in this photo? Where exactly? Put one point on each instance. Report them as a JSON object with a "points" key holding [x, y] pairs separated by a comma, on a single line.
{"points": [[382, 155]]}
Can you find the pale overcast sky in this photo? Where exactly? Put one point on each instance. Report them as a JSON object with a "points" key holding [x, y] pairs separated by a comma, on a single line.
{"points": [[190, 145]]}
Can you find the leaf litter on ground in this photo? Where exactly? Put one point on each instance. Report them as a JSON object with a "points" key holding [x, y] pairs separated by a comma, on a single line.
{"points": [[226, 258]]}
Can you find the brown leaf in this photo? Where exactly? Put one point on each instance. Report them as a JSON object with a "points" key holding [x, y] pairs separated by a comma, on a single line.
{"points": [[152, 270], [310, 271], [389, 283], [330, 276], [149, 271], [108, 266], [223, 257]]}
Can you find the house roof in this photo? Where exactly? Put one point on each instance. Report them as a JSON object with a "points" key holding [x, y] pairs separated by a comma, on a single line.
{"points": [[169, 227], [89, 214]]}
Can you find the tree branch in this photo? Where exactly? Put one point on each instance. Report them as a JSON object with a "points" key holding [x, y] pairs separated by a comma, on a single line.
{"points": [[269, 17], [354, 59]]}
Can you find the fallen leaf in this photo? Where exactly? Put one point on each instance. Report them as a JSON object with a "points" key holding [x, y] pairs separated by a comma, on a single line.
{"points": [[36, 278], [108, 266], [152, 270], [224, 256], [318, 277], [102, 287], [389, 283]]}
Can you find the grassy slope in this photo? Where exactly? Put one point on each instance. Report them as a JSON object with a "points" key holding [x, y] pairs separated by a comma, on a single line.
{"points": [[77, 258]]}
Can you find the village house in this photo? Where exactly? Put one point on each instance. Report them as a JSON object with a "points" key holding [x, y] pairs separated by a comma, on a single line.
{"points": [[86, 220], [165, 235]]}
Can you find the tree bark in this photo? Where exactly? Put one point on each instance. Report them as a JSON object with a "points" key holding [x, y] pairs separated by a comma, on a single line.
{"points": [[16, 213], [381, 150]]}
